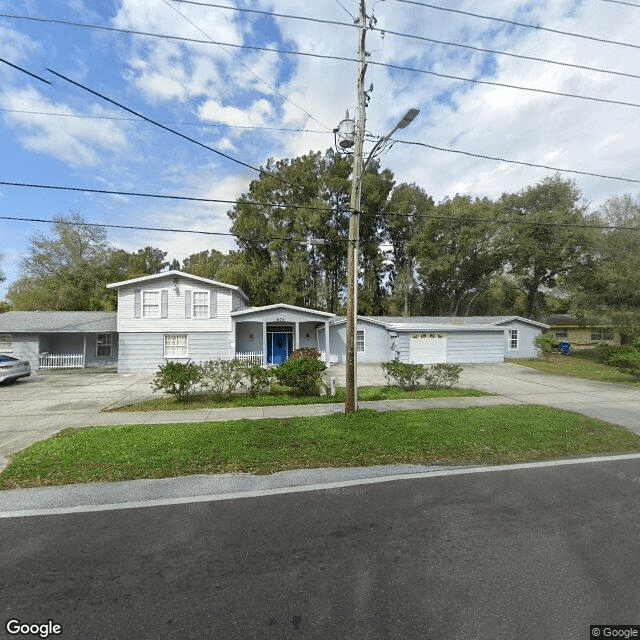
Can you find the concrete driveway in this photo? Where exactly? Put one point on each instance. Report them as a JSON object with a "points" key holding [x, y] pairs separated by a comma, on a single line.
{"points": [[37, 407]]}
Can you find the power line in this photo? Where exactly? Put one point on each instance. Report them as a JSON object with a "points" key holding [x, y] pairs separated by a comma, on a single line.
{"points": [[341, 240], [503, 221], [251, 71], [526, 164], [521, 24], [174, 131], [411, 36], [188, 124], [33, 75], [507, 53], [347, 10], [629, 4], [157, 195], [342, 59]]}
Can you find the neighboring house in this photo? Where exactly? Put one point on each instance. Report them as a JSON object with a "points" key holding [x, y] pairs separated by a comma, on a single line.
{"points": [[175, 316], [60, 339], [428, 340], [567, 328]]}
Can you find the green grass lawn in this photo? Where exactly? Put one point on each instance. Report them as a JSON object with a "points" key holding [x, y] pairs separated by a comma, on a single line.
{"points": [[283, 396], [581, 364], [484, 435]]}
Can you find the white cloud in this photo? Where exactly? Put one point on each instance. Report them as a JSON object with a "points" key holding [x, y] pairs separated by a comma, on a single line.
{"points": [[76, 141]]}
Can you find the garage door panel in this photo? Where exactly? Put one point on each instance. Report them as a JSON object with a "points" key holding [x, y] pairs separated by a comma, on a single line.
{"points": [[428, 347]]}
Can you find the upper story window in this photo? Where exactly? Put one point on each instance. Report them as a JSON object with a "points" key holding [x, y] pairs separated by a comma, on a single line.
{"points": [[201, 304], [151, 304], [6, 343]]}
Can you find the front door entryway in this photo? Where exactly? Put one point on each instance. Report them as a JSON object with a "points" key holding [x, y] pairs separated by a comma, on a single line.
{"points": [[279, 345]]}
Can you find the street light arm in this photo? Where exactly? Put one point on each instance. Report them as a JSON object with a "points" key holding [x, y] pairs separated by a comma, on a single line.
{"points": [[407, 119]]}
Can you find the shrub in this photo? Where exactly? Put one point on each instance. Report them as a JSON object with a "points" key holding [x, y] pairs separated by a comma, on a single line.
{"points": [[443, 375], [546, 343], [302, 374], [406, 376], [258, 378], [179, 379], [220, 378], [410, 377], [627, 361], [307, 352]]}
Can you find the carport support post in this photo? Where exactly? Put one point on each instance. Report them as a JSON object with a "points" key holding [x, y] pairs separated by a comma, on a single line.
{"points": [[264, 343], [84, 351]]}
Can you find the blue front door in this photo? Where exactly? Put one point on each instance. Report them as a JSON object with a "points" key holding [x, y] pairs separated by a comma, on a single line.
{"points": [[279, 348]]}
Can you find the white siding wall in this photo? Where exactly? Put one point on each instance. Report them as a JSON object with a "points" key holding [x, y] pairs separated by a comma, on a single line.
{"points": [[140, 352], [526, 335], [377, 343], [468, 347], [176, 320]]}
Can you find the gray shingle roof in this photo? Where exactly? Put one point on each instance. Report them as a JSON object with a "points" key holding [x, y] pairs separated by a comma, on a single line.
{"points": [[58, 322]]}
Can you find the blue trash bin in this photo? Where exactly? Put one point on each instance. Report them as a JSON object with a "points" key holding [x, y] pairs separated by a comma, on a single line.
{"points": [[565, 348]]}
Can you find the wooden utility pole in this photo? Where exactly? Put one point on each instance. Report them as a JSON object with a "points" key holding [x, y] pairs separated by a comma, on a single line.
{"points": [[351, 401]]}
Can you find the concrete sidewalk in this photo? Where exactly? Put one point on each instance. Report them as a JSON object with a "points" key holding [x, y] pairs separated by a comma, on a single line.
{"points": [[40, 406]]}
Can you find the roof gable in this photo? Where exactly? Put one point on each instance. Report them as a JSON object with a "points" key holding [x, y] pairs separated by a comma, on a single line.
{"points": [[176, 274]]}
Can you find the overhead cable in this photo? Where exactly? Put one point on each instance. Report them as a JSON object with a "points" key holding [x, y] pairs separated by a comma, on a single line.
{"points": [[526, 164], [521, 24], [15, 66], [251, 71], [344, 59], [174, 131]]}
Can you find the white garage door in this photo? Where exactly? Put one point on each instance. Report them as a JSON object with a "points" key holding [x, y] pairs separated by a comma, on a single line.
{"points": [[428, 348]]}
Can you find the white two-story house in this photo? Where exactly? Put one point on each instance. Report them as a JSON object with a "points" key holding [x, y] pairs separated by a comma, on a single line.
{"points": [[179, 316]]}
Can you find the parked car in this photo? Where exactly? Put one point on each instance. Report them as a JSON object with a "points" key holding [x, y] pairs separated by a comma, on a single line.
{"points": [[11, 368]]}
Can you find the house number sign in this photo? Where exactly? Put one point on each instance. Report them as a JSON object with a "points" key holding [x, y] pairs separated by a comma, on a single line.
{"points": [[279, 319]]}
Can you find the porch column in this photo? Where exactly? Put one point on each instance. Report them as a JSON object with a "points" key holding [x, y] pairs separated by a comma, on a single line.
{"points": [[84, 351], [296, 344], [326, 343], [264, 343]]}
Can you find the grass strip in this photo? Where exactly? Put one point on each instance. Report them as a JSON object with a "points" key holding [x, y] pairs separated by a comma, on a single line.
{"points": [[484, 435], [283, 396], [580, 364]]}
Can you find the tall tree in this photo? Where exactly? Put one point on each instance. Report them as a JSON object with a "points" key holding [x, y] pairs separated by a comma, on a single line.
{"points": [[539, 248], [404, 209], [66, 272], [297, 200], [457, 252], [205, 264], [143, 262], [605, 285]]}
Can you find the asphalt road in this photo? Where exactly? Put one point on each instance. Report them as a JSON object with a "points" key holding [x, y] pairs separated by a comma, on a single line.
{"points": [[540, 552]]}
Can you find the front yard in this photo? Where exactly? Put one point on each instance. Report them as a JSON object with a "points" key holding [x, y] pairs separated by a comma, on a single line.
{"points": [[479, 435], [580, 364]]}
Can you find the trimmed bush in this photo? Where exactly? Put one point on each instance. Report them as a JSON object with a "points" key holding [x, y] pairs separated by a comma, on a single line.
{"points": [[307, 352], [410, 377], [406, 376], [302, 374], [221, 378], [444, 375], [179, 379], [259, 379]]}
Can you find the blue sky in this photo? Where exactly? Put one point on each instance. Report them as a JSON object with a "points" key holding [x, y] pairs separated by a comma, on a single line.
{"points": [[232, 99]]}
